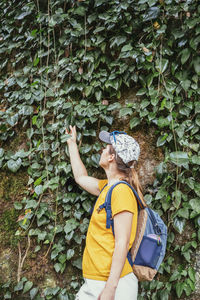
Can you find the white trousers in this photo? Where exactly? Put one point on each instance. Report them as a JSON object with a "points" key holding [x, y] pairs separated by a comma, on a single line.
{"points": [[127, 289]]}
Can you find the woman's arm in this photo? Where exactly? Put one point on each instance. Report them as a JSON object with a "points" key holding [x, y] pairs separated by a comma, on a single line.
{"points": [[88, 183], [122, 225]]}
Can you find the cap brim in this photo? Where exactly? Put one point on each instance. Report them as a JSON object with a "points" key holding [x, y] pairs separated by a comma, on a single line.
{"points": [[104, 136]]}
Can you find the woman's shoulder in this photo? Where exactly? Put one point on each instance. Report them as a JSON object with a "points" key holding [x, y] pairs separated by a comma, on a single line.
{"points": [[123, 186], [123, 190]]}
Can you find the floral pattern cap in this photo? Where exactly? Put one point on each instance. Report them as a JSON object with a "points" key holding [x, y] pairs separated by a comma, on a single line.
{"points": [[125, 146]]}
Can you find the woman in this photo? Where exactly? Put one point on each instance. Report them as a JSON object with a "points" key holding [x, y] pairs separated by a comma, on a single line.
{"points": [[106, 270]]}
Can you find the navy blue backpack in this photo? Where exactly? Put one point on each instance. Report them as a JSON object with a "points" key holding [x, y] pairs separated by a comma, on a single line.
{"points": [[148, 249]]}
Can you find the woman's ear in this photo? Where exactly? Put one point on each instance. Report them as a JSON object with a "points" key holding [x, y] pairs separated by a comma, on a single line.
{"points": [[111, 157]]}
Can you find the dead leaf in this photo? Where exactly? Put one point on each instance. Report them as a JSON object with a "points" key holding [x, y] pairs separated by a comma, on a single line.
{"points": [[105, 102], [20, 218], [156, 25], [66, 52], [80, 70], [145, 50]]}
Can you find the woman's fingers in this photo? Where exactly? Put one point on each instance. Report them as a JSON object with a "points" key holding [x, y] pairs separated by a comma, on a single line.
{"points": [[71, 131], [67, 131], [74, 129]]}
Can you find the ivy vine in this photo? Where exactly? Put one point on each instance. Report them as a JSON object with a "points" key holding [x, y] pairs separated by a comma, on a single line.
{"points": [[68, 62]]}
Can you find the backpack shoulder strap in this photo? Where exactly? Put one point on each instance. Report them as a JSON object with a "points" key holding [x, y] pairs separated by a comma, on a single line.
{"points": [[107, 203]]}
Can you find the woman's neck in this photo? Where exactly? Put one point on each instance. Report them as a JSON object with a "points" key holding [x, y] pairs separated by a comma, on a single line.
{"points": [[113, 176]]}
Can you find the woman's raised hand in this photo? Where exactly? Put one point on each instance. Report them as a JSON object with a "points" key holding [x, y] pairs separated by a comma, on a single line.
{"points": [[72, 132]]}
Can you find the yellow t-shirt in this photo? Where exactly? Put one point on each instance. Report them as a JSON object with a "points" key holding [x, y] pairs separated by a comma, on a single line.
{"points": [[100, 242]]}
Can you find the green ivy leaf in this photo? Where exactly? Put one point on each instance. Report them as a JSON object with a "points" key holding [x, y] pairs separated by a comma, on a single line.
{"points": [[185, 84], [27, 110], [70, 253], [179, 158], [177, 33], [144, 104], [126, 48], [36, 62], [191, 273], [183, 212], [80, 11], [1, 152], [18, 206], [114, 106], [28, 285], [162, 193], [63, 297], [108, 119], [164, 295], [163, 122], [43, 146], [23, 15], [118, 41], [62, 258], [161, 65], [161, 140], [196, 63], [179, 288], [175, 276], [58, 267], [33, 292], [39, 189], [19, 286], [8, 295], [71, 224], [31, 204], [185, 54], [78, 263], [141, 92], [38, 181], [152, 13], [196, 159], [14, 165], [125, 111], [37, 248], [197, 120], [177, 198], [179, 224], [195, 204], [134, 122], [88, 90]]}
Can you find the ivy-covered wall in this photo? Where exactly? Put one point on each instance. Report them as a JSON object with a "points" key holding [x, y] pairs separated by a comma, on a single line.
{"points": [[129, 65]]}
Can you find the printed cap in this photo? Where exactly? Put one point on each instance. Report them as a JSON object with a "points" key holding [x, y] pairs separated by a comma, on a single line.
{"points": [[125, 146]]}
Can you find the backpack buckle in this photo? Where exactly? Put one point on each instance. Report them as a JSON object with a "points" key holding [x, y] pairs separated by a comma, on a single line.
{"points": [[99, 209]]}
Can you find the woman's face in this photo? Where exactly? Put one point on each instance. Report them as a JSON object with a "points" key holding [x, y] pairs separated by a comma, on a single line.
{"points": [[105, 157]]}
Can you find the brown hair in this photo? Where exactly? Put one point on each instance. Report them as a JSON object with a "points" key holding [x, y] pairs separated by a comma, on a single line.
{"points": [[130, 174]]}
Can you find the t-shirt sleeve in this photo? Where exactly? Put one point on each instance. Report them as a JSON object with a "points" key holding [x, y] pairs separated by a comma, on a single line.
{"points": [[123, 199], [102, 183]]}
